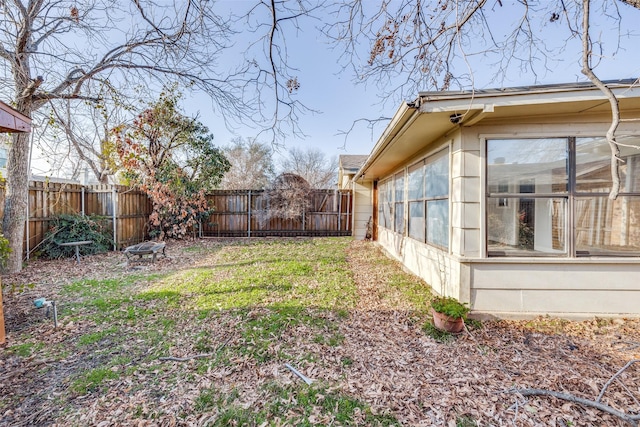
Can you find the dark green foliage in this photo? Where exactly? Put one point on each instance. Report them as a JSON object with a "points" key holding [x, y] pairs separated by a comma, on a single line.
{"points": [[438, 335], [72, 228], [450, 306], [172, 158]]}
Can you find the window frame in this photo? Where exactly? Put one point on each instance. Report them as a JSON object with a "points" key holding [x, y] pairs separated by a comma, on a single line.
{"points": [[572, 197], [399, 214], [444, 154], [426, 201], [416, 201]]}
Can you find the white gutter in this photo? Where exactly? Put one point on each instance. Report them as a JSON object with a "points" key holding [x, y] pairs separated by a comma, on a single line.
{"points": [[443, 102], [583, 87]]}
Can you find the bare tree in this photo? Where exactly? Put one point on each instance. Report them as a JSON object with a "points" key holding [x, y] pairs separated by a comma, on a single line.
{"points": [[67, 50], [414, 46], [312, 165], [79, 136], [251, 165], [286, 198], [273, 22]]}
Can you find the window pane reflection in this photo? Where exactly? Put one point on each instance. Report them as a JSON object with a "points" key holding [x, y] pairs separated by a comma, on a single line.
{"points": [[604, 225], [437, 176], [416, 182], [416, 220], [593, 165], [526, 226], [438, 222], [539, 161]]}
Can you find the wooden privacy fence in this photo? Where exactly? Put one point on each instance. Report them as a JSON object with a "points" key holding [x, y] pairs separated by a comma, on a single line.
{"points": [[126, 211], [240, 213]]}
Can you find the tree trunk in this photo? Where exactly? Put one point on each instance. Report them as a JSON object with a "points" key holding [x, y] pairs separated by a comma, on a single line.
{"points": [[17, 187], [16, 198]]}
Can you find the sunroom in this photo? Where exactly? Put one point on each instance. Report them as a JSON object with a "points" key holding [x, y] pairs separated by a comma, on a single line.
{"points": [[500, 198]]}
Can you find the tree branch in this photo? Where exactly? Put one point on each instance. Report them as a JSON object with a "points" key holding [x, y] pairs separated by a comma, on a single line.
{"points": [[632, 3], [612, 379], [632, 420], [613, 102]]}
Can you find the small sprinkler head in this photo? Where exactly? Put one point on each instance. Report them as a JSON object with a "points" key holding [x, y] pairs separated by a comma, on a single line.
{"points": [[41, 302]]}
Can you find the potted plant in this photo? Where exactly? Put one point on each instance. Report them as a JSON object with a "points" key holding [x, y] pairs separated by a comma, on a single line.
{"points": [[449, 314]]}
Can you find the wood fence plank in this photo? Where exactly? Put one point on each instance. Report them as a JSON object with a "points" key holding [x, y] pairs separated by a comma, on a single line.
{"points": [[330, 213]]}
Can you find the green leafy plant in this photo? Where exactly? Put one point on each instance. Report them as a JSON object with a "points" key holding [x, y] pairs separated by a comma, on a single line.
{"points": [[72, 228], [5, 250], [170, 157], [450, 306], [438, 335]]}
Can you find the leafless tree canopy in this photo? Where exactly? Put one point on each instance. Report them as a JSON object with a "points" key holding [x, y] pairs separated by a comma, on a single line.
{"points": [[406, 46], [311, 164], [286, 198], [251, 165], [77, 137], [55, 51], [414, 46]]}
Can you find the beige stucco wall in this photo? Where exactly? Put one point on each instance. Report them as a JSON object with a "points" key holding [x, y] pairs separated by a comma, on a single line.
{"points": [[514, 287], [465, 195]]}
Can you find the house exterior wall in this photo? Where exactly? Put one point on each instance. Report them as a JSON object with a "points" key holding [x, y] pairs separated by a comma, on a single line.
{"points": [[466, 195], [559, 287], [513, 286], [362, 207], [5, 146], [441, 270]]}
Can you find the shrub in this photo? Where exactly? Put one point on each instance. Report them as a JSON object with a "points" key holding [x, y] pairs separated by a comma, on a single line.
{"points": [[73, 228]]}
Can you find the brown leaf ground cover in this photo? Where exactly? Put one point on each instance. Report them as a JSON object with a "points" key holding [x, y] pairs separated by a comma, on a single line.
{"points": [[335, 309]]}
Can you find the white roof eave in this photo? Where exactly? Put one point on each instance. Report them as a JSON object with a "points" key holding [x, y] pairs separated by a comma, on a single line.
{"points": [[483, 101]]}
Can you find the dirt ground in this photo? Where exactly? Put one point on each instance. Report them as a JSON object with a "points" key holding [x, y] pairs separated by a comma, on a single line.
{"points": [[395, 367]]}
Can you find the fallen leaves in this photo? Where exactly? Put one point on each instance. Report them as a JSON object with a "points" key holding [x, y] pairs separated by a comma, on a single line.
{"points": [[383, 358]]}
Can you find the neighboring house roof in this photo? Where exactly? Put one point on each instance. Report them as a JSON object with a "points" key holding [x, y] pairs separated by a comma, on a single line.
{"points": [[433, 114], [351, 163], [12, 120]]}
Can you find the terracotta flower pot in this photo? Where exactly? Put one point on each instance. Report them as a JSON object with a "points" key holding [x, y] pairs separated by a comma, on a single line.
{"points": [[446, 323]]}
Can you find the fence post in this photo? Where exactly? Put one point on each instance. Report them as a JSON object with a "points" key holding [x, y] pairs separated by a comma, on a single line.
{"points": [[249, 214], [82, 201], [339, 210], [28, 238], [350, 226], [114, 204]]}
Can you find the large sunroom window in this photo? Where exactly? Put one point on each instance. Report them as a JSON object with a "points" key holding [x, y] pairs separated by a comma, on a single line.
{"points": [[428, 196], [437, 198], [536, 188], [399, 202], [385, 203]]}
